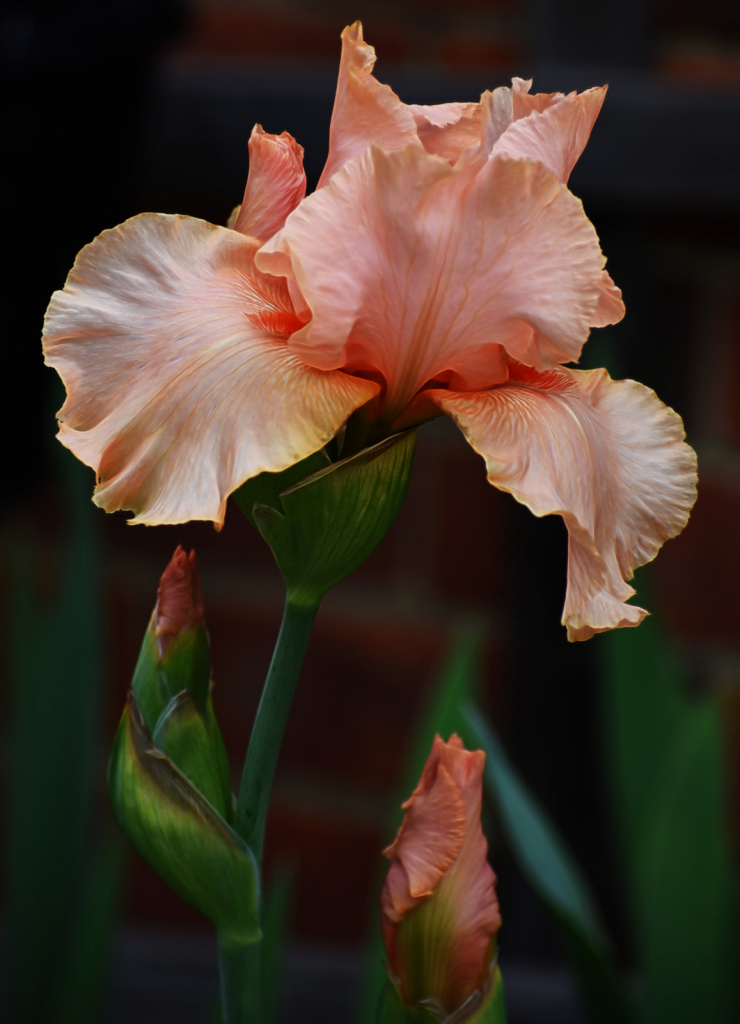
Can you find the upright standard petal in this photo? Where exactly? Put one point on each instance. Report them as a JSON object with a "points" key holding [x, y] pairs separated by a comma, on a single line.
{"points": [[557, 134], [447, 129], [415, 269], [275, 185], [365, 111], [180, 383], [553, 129], [608, 456]]}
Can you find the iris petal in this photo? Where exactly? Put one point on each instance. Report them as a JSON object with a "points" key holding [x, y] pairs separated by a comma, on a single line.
{"points": [[608, 456], [177, 391]]}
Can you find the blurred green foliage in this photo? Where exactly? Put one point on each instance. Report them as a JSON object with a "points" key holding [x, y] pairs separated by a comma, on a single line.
{"points": [[664, 757], [62, 870], [668, 776]]}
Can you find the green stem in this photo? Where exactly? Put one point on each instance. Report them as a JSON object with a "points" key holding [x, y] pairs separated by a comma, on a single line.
{"points": [[269, 725], [239, 968], [241, 997]]}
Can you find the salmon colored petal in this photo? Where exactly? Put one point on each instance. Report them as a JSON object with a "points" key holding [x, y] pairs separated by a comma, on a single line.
{"points": [[608, 456], [179, 599], [180, 383], [415, 268], [525, 102], [610, 307], [365, 111], [431, 836], [441, 946], [496, 116], [275, 185], [447, 129], [556, 135], [468, 894]]}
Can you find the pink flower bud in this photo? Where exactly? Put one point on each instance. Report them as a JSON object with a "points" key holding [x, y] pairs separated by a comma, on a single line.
{"points": [[440, 914], [179, 599]]}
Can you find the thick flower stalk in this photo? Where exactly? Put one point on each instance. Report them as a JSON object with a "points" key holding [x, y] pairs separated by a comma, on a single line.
{"points": [[441, 267], [440, 915]]}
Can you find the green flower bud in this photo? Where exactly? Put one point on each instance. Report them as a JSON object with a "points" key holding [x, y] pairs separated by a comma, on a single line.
{"points": [[176, 828], [175, 653], [172, 684]]}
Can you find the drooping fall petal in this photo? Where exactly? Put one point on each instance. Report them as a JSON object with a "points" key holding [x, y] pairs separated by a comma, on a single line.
{"points": [[608, 456], [414, 268], [275, 185], [180, 383], [365, 111], [439, 942]]}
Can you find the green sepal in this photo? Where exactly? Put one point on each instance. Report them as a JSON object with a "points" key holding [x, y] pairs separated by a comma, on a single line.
{"points": [[332, 520], [149, 685], [195, 745], [266, 488], [393, 1011], [181, 835], [185, 666], [492, 1009]]}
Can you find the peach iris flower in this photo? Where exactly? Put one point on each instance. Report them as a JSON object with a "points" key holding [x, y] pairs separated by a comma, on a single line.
{"points": [[439, 911], [442, 266]]}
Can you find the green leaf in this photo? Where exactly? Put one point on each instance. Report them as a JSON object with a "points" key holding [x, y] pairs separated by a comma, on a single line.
{"points": [[667, 768], [551, 872], [85, 957], [192, 744], [55, 684], [539, 849], [443, 714], [181, 835], [333, 519]]}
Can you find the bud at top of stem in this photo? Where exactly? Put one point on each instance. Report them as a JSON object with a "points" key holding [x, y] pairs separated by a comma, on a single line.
{"points": [[179, 599], [440, 914], [175, 654]]}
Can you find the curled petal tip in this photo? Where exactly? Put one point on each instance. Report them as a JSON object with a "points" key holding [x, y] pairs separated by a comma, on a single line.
{"points": [[275, 186]]}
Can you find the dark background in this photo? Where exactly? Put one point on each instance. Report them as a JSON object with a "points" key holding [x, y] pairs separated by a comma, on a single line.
{"points": [[111, 108]]}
